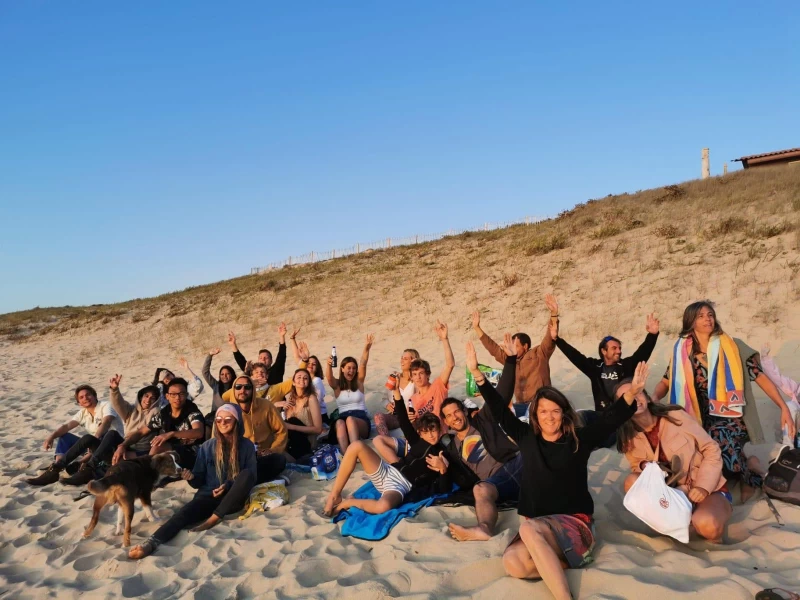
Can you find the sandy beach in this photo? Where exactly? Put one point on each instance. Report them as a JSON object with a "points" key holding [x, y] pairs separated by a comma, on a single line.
{"points": [[293, 552]]}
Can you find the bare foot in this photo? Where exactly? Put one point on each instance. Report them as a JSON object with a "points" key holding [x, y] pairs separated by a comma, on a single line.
{"points": [[207, 524], [469, 534], [140, 551], [331, 504]]}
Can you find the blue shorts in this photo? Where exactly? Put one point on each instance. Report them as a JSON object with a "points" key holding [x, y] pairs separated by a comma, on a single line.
{"points": [[358, 414], [727, 495], [400, 447], [507, 480]]}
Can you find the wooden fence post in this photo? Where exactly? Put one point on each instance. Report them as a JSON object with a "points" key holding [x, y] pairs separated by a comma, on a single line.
{"points": [[705, 164]]}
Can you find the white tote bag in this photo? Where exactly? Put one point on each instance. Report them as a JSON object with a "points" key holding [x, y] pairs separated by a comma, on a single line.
{"points": [[663, 508]]}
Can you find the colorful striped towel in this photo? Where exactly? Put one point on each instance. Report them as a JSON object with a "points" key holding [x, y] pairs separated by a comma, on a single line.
{"points": [[725, 378]]}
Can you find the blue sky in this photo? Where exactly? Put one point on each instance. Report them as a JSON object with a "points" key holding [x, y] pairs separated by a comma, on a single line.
{"points": [[149, 146]]}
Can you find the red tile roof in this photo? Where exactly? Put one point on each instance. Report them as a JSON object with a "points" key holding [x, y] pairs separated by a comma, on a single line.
{"points": [[766, 154]]}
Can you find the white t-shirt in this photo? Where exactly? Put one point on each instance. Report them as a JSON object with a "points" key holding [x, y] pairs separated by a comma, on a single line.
{"points": [[319, 386], [92, 424]]}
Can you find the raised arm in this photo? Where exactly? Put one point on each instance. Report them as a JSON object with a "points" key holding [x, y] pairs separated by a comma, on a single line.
{"points": [[548, 344], [295, 347], [401, 412], [206, 370], [332, 381], [646, 348], [195, 387], [237, 356], [449, 359], [498, 406], [491, 346], [278, 368], [583, 363], [362, 364], [123, 408]]}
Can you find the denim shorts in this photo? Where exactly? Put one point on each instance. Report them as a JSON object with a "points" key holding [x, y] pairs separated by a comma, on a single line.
{"points": [[400, 447], [507, 480], [358, 414]]}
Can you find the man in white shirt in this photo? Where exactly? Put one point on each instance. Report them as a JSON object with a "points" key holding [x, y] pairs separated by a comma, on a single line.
{"points": [[95, 417]]}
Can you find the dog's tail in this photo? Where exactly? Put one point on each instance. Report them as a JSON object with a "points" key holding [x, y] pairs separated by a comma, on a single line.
{"points": [[99, 486]]}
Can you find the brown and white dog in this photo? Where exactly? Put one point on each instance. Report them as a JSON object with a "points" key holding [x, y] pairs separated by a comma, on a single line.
{"points": [[125, 482]]}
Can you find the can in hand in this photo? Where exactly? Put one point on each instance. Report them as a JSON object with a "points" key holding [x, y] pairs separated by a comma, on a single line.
{"points": [[391, 382]]}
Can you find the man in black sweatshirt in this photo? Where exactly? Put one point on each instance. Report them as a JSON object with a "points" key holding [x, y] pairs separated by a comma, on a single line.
{"points": [[606, 372], [275, 370]]}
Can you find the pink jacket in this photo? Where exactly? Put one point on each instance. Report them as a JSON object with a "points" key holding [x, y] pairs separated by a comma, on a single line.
{"points": [[700, 456]]}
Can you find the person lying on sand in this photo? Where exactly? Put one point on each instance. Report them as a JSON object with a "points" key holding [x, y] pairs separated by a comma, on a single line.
{"points": [[223, 475], [690, 451], [95, 417], [557, 528], [421, 473]]}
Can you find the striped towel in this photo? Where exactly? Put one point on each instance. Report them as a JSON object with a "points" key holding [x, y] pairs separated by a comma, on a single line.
{"points": [[725, 378]]}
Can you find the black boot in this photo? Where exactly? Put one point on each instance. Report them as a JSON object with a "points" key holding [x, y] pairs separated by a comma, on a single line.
{"points": [[49, 476], [84, 475]]}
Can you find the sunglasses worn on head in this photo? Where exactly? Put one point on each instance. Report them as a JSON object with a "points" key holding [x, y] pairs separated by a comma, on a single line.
{"points": [[226, 420], [243, 386]]}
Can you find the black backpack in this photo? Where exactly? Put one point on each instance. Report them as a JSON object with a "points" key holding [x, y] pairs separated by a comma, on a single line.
{"points": [[783, 477]]}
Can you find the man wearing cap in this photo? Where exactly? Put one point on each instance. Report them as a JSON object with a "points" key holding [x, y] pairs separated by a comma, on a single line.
{"points": [[262, 426], [606, 372]]}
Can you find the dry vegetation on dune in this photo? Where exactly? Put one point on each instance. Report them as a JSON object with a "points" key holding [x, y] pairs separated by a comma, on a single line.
{"points": [[617, 257]]}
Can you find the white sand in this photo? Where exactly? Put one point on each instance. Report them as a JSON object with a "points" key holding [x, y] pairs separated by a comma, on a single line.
{"points": [[292, 552]]}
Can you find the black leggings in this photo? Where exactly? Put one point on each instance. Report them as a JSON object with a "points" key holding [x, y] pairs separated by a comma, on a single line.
{"points": [[299, 444], [269, 467], [204, 505]]}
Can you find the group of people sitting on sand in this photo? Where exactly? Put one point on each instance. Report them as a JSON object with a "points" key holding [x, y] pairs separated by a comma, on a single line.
{"points": [[527, 445]]}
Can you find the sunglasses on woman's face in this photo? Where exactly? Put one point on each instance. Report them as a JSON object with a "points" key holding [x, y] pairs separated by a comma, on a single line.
{"points": [[243, 386], [226, 420]]}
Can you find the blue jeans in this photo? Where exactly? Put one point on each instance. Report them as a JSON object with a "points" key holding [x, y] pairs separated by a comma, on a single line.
{"points": [[65, 442]]}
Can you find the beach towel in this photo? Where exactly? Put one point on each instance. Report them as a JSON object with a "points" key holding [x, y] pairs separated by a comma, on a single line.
{"points": [[725, 378], [365, 526]]}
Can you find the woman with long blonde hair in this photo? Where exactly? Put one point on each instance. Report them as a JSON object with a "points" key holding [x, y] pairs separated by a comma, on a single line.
{"points": [[223, 475]]}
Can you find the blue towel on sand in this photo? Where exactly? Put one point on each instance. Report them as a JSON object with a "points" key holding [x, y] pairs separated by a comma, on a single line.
{"points": [[365, 526]]}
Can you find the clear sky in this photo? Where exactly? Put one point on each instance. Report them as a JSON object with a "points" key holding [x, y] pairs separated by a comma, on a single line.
{"points": [[149, 146]]}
